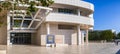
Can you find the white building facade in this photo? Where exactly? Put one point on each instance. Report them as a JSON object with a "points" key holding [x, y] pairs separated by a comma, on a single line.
{"points": [[69, 21]]}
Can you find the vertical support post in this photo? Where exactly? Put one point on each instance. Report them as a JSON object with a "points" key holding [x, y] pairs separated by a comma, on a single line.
{"points": [[8, 38], [8, 30], [87, 36], [91, 15], [78, 12], [78, 35], [82, 38]]}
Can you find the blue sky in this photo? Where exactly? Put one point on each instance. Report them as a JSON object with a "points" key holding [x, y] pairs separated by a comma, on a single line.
{"points": [[107, 14]]}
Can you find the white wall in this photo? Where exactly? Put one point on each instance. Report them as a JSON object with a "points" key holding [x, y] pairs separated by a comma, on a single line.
{"points": [[61, 36], [78, 3], [60, 17]]}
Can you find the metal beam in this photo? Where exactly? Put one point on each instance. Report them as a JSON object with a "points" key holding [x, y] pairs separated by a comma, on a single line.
{"points": [[38, 24], [42, 19], [34, 18]]}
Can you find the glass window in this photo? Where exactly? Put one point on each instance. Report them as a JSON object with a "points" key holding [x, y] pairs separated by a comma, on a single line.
{"points": [[17, 23], [28, 17], [69, 27], [18, 17], [26, 23], [67, 11]]}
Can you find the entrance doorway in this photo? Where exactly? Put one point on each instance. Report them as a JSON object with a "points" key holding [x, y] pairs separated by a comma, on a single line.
{"points": [[20, 38]]}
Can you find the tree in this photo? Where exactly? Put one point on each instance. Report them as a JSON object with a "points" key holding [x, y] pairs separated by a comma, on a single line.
{"points": [[94, 35], [118, 35], [46, 3], [6, 6], [107, 35]]}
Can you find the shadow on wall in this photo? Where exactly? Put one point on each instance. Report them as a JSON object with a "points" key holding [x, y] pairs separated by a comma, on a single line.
{"points": [[118, 52]]}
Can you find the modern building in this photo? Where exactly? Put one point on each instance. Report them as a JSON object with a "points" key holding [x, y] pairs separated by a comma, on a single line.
{"points": [[69, 22]]}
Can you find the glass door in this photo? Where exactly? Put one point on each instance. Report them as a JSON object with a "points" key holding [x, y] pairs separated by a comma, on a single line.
{"points": [[20, 38]]}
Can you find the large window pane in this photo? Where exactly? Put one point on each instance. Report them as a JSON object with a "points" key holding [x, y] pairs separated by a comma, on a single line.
{"points": [[68, 27], [67, 11], [26, 23], [17, 23]]}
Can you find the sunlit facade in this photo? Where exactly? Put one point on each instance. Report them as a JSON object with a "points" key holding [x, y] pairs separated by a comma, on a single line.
{"points": [[68, 20]]}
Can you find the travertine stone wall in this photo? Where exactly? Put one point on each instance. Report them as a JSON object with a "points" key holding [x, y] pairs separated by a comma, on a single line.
{"points": [[61, 36], [41, 39], [3, 33]]}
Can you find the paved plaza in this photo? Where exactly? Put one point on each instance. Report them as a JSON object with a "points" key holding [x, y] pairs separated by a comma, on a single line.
{"points": [[92, 48], [2, 49]]}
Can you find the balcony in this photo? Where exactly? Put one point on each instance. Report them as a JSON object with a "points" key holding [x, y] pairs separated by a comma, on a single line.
{"points": [[77, 3], [69, 18]]}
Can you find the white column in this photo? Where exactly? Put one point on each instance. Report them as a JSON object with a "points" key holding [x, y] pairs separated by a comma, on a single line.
{"points": [[83, 38], [87, 36], [8, 38], [78, 35], [48, 28], [8, 30], [91, 15], [78, 12]]}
